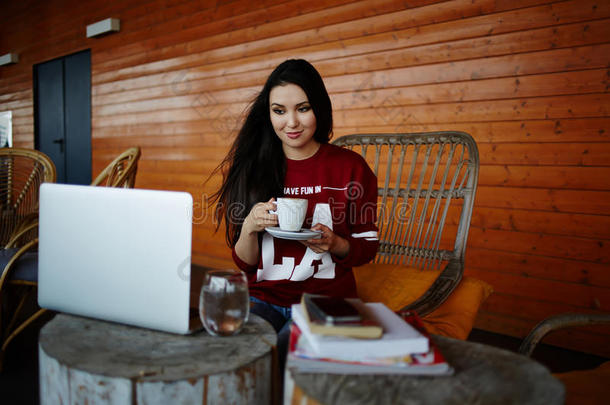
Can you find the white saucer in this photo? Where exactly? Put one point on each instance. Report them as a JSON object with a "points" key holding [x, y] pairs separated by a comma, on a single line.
{"points": [[303, 234]]}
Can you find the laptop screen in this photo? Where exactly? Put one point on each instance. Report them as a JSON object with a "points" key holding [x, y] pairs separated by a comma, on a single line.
{"points": [[116, 254]]}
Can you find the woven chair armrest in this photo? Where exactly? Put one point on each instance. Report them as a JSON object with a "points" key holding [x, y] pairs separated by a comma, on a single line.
{"points": [[556, 322]]}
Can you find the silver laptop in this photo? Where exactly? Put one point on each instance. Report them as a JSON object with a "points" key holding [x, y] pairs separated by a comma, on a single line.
{"points": [[121, 255]]}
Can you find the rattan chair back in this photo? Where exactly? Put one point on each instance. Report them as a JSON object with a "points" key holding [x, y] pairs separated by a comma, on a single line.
{"points": [[121, 172], [426, 189], [22, 171]]}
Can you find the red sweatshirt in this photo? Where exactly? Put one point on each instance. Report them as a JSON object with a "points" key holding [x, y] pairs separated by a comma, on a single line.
{"points": [[338, 184]]}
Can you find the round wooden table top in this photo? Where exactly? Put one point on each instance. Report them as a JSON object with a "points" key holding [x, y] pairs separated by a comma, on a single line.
{"points": [[110, 349], [483, 375]]}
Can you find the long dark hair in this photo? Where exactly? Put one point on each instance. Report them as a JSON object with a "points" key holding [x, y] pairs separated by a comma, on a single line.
{"points": [[255, 168]]}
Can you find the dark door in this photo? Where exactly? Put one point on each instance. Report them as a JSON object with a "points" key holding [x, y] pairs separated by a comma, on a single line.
{"points": [[62, 115]]}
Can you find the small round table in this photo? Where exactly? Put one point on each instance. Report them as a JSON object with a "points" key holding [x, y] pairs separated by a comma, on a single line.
{"points": [[483, 375], [84, 360]]}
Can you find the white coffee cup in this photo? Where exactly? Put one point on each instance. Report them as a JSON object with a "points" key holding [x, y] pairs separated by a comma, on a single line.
{"points": [[291, 213]]}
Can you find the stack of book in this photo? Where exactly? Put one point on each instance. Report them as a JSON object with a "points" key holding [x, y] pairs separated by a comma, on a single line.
{"points": [[381, 343]]}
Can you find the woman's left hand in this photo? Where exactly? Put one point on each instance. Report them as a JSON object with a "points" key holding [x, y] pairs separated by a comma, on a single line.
{"points": [[328, 242]]}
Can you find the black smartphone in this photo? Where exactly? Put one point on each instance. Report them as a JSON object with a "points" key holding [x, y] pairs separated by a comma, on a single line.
{"points": [[331, 310]]}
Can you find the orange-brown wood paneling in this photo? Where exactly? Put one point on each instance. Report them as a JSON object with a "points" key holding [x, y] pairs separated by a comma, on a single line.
{"points": [[527, 78]]}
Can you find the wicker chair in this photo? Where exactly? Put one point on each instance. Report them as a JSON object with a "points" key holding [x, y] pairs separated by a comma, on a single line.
{"points": [[582, 386], [427, 183], [121, 172], [21, 173]]}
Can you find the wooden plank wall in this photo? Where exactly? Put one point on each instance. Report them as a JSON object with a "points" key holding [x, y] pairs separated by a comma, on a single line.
{"points": [[527, 78]]}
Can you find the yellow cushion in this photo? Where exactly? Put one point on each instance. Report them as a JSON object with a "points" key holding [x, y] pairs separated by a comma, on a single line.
{"points": [[455, 317], [397, 286], [587, 386]]}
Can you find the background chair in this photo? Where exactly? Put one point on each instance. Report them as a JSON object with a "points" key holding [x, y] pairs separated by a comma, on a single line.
{"points": [[22, 171], [582, 386], [121, 172], [427, 184], [19, 258]]}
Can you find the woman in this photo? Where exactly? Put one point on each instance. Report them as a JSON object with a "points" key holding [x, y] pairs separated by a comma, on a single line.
{"points": [[283, 150]]}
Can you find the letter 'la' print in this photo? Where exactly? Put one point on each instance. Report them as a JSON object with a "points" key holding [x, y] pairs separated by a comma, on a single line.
{"points": [[305, 269]]}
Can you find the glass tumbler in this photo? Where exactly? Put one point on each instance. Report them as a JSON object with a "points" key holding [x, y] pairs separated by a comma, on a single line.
{"points": [[224, 305]]}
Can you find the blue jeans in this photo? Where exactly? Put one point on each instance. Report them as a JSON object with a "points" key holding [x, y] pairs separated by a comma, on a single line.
{"points": [[276, 315], [280, 318]]}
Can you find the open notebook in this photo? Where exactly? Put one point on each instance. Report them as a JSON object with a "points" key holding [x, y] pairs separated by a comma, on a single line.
{"points": [[121, 255]]}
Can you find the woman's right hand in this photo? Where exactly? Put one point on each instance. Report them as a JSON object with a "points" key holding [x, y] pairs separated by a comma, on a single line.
{"points": [[259, 217]]}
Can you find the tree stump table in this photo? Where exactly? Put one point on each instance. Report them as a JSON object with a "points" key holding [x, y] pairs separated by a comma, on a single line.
{"points": [[84, 361], [483, 375]]}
